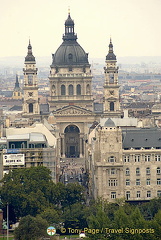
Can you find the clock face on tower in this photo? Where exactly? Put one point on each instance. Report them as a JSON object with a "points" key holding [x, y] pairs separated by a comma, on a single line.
{"points": [[30, 94], [111, 78]]}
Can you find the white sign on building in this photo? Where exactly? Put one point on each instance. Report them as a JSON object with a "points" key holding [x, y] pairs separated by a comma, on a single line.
{"points": [[13, 159]]}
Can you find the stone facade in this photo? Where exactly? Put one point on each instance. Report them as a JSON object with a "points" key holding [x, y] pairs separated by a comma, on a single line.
{"points": [[125, 164]]}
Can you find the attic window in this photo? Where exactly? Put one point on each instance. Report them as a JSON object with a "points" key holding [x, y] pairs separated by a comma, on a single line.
{"points": [[132, 139], [159, 139], [146, 139]]}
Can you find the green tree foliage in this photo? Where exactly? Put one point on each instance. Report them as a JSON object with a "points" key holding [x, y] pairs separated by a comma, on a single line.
{"points": [[52, 216], [28, 190], [77, 214], [31, 191], [150, 208], [99, 220], [31, 228], [73, 194]]}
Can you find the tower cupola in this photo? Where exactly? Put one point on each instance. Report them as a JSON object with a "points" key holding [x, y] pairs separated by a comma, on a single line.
{"points": [[111, 55], [29, 57], [69, 30]]}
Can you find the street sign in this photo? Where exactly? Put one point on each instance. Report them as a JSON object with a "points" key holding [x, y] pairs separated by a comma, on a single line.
{"points": [[51, 230]]}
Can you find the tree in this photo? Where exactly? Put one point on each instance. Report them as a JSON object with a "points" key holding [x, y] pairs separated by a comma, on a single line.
{"points": [[99, 221], [77, 215], [27, 191], [52, 216], [31, 228], [73, 193]]}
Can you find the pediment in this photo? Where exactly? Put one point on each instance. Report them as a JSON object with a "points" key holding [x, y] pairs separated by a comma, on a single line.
{"points": [[72, 110]]}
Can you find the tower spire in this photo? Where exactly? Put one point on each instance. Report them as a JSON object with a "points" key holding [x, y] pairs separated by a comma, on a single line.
{"points": [[68, 11], [29, 56], [17, 82], [111, 55]]}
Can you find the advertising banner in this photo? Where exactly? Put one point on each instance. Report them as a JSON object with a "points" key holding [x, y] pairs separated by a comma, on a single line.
{"points": [[13, 159]]}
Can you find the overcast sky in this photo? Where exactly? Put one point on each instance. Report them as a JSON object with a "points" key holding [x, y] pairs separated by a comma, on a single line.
{"points": [[133, 25]]}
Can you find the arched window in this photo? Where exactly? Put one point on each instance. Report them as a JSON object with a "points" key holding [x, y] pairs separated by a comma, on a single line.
{"points": [[78, 89], [111, 159], [127, 171], [63, 91], [111, 106], [158, 170], [147, 171], [88, 89], [53, 89], [127, 195], [70, 89], [30, 108], [137, 171]]}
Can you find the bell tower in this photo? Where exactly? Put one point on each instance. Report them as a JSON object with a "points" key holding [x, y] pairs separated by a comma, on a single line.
{"points": [[111, 86], [31, 102]]}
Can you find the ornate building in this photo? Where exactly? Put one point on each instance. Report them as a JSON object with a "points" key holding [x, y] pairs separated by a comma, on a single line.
{"points": [[70, 94], [71, 99], [70, 76], [31, 101], [125, 163]]}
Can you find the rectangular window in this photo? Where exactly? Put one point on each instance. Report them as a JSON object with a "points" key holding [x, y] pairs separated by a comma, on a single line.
{"points": [[158, 181], [137, 158], [112, 182], [148, 194], [113, 195], [138, 194], [147, 158], [127, 158], [127, 182], [148, 181], [137, 181], [157, 158]]}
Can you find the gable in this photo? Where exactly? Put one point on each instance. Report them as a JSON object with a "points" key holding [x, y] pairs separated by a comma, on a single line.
{"points": [[72, 110]]}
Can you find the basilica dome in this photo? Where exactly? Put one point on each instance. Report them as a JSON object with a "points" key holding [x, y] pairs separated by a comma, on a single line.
{"points": [[70, 52]]}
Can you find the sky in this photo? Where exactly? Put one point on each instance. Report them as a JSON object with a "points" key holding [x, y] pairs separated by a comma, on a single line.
{"points": [[133, 25]]}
